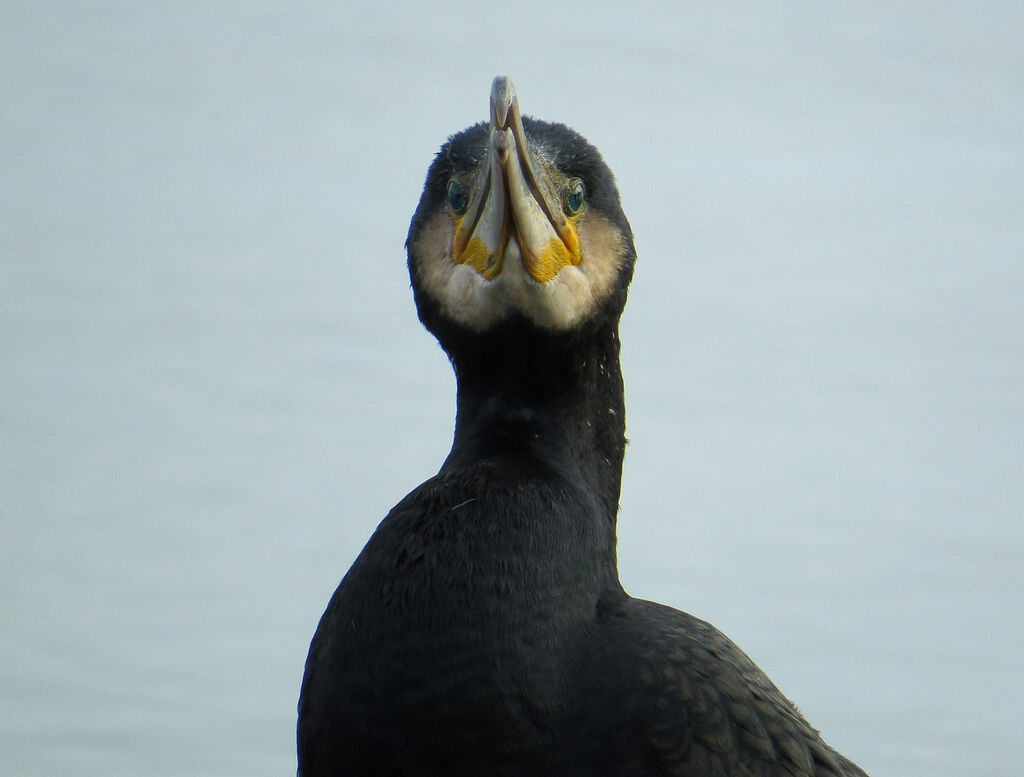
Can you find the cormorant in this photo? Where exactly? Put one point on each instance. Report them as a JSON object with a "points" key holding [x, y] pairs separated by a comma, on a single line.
{"points": [[483, 630]]}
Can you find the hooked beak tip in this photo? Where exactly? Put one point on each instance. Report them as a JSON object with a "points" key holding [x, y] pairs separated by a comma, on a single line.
{"points": [[503, 98]]}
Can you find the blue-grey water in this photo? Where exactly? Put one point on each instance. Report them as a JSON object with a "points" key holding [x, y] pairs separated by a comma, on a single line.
{"points": [[213, 384]]}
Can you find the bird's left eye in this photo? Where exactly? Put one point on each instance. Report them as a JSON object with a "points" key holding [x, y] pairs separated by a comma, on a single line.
{"points": [[456, 197], [574, 197]]}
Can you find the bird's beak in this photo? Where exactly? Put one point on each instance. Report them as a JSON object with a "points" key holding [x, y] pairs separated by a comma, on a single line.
{"points": [[513, 203]]}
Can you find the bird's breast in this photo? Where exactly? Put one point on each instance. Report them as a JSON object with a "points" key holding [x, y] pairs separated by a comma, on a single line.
{"points": [[466, 621]]}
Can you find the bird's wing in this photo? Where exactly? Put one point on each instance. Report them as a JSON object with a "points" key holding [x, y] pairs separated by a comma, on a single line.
{"points": [[703, 706]]}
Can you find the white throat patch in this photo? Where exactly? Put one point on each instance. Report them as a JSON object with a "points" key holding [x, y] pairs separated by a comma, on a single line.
{"points": [[558, 304]]}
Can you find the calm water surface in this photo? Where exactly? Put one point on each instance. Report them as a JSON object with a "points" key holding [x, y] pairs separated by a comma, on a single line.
{"points": [[213, 384]]}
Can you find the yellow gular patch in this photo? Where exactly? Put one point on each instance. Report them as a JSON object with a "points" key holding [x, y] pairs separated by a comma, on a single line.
{"points": [[554, 256], [476, 255]]}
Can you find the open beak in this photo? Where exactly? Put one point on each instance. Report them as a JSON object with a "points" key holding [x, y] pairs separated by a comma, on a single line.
{"points": [[513, 204]]}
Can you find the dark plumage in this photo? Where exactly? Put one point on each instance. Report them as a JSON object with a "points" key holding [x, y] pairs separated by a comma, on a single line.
{"points": [[483, 629]]}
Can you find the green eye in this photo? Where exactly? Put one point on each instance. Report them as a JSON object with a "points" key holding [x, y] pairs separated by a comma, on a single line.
{"points": [[574, 197], [456, 197]]}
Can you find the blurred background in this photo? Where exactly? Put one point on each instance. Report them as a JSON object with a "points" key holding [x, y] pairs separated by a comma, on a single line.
{"points": [[213, 384]]}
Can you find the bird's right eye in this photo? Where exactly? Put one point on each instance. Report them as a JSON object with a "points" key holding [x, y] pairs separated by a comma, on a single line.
{"points": [[456, 197]]}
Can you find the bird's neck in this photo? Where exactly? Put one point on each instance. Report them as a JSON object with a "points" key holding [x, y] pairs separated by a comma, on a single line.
{"points": [[553, 400]]}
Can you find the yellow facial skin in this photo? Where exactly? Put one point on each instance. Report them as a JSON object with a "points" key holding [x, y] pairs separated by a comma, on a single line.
{"points": [[513, 203], [552, 258], [476, 255]]}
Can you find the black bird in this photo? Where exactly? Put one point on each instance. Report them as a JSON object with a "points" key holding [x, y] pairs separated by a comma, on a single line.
{"points": [[483, 630]]}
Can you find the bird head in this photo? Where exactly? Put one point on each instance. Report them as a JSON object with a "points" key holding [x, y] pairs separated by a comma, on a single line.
{"points": [[519, 223]]}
